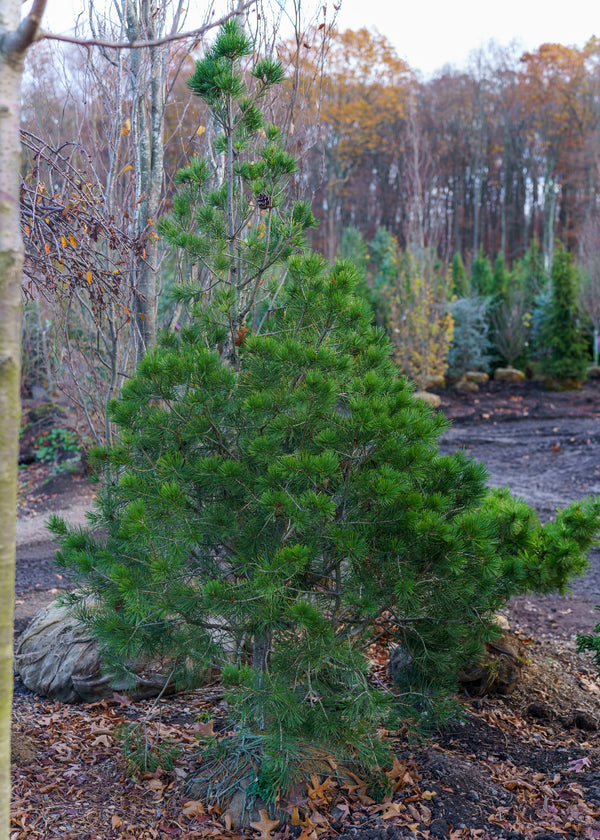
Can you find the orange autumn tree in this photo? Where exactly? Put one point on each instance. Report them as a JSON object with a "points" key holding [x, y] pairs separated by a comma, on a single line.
{"points": [[556, 88], [358, 109]]}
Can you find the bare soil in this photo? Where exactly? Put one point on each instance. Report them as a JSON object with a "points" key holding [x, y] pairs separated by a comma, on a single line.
{"points": [[545, 446], [521, 766]]}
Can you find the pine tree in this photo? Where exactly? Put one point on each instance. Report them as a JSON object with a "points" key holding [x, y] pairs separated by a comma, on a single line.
{"points": [[384, 264], [482, 276], [460, 281], [275, 518], [501, 280], [354, 248]]}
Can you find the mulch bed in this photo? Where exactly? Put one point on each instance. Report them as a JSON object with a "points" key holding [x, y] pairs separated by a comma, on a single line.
{"points": [[522, 766]]}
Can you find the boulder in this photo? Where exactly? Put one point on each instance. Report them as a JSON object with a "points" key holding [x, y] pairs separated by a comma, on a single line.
{"points": [[56, 657], [466, 386], [478, 376], [594, 372], [509, 374], [434, 380], [499, 670], [566, 383]]}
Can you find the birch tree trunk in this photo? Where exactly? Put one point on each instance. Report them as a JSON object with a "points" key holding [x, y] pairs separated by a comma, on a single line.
{"points": [[148, 80], [15, 38]]}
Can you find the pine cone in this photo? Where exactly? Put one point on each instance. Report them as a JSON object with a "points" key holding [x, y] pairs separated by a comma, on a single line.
{"points": [[264, 201]]}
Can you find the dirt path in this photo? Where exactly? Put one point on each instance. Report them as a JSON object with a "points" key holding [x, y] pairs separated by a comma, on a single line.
{"points": [[37, 582], [546, 448]]}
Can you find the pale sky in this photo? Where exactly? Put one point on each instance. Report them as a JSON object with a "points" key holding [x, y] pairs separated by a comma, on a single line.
{"points": [[431, 33]]}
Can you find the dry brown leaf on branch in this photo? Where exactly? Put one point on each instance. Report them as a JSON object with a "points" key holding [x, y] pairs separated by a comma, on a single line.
{"points": [[265, 825]]}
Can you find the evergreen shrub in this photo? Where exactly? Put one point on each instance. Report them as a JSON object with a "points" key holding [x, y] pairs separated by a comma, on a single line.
{"points": [[470, 348], [278, 517], [561, 344]]}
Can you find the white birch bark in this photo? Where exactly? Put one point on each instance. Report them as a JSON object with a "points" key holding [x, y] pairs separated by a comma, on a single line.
{"points": [[15, 38]]}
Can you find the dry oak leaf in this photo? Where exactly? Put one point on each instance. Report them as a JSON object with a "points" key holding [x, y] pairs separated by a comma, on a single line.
{"points": [[297, 819], [265, 826], [391, 810], [308, 833], [193, 808], [317, 791], [204, 728], [156, 785]]}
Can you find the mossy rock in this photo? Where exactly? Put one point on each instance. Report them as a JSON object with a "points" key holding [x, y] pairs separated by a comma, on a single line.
{"points": [[509, 374]]}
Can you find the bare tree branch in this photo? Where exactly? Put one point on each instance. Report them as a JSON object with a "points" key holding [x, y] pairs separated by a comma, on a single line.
{"points": [[134, 45]]}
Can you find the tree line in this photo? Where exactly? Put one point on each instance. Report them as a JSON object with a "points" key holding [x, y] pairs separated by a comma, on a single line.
{"points": [[488, 157]]}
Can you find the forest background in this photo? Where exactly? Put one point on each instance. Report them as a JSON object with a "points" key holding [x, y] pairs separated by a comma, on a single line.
{"points": [[497, 161]]}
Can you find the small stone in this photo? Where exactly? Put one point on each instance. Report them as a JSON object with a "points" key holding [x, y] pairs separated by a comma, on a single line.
{"points": [[585, 722], [439, 828], [540, 711], [502, 622]]}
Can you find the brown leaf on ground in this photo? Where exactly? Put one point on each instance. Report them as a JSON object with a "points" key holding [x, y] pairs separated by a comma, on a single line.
{"points": [[265, 825]]}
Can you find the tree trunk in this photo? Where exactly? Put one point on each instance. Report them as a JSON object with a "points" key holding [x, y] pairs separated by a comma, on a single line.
{"points": [[148, 81], [549, 214], [14, 41]]}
